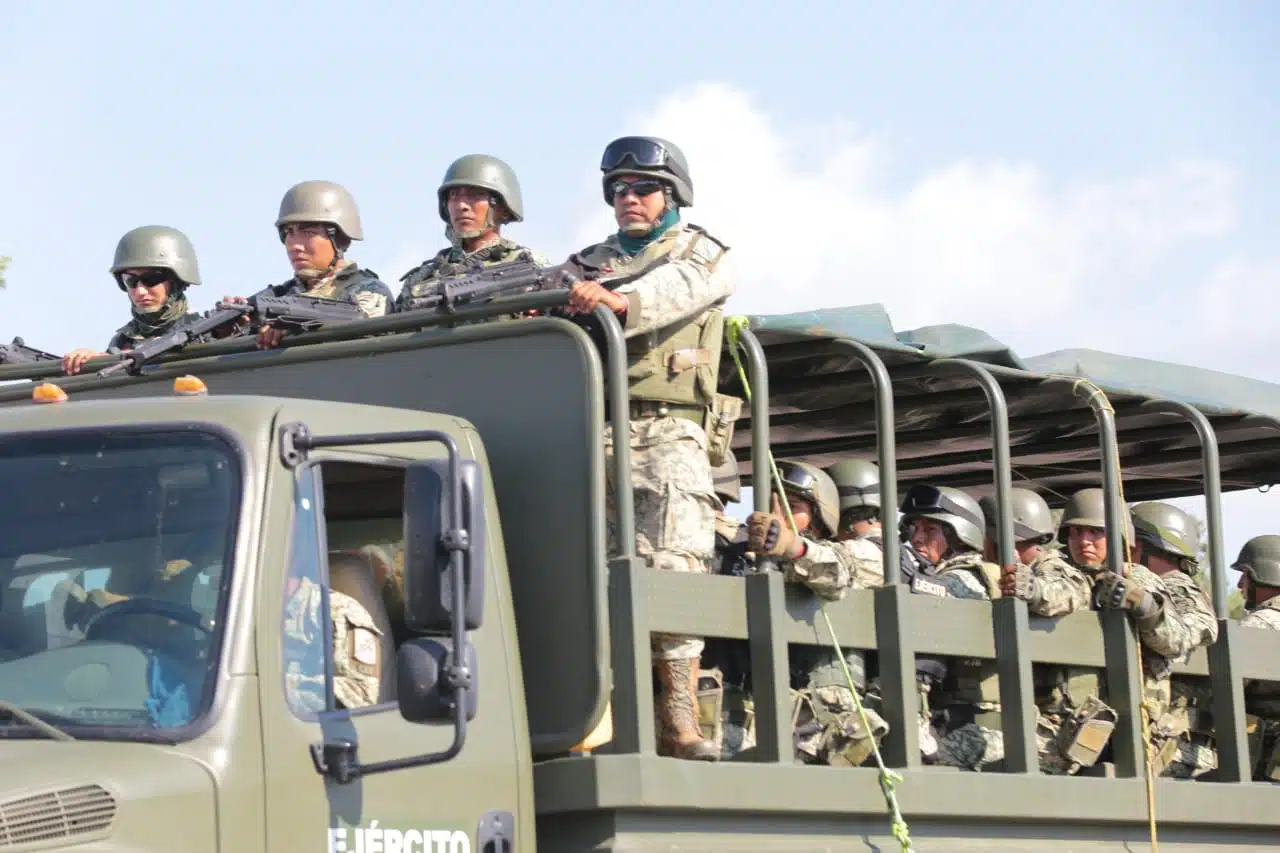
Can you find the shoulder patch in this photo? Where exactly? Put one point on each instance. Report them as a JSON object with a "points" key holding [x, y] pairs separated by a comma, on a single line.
{"points": [[364, 646], [707, 234]]}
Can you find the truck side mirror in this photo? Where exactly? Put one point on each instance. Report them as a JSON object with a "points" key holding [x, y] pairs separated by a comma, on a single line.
{"points": [[429, 582], [425, 675]]}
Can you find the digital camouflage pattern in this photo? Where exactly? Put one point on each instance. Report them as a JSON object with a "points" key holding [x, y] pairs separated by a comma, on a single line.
{"points": [[347, 283], [680, 277], [422, 280], [967, 575], [1057, 587], [828, 729], [971, 747], [143, 327], [1265, 615], [830, 567], [357, 668], [1193, 607], [675, 506]]}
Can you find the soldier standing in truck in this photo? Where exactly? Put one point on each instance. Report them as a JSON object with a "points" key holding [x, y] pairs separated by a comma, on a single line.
{"points": [[478, 195], [154, 265], [317, 222], [672, 313]]}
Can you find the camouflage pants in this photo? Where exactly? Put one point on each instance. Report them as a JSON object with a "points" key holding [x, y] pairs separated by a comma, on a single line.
{"points": [[971, 746], [675, 507], [1182, 759], [1069, 739], [828, 729]]}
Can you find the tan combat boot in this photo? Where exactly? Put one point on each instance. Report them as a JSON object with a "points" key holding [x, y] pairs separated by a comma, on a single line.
{"points": [[680, 735]]}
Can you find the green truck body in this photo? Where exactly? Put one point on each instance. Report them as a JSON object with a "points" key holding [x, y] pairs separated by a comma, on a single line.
{"points": [[309, 450]]}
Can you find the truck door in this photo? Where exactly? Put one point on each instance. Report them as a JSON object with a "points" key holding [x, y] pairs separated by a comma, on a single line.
{"points": [[347, 515]]}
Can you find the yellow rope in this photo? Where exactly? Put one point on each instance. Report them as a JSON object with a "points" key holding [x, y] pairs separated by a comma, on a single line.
{"points": [[1143, 712], [888, 779]]}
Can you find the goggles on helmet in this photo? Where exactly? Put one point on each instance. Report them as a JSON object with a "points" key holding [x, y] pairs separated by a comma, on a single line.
{"points": [[798, 480], [928, 500], [643, 153]]}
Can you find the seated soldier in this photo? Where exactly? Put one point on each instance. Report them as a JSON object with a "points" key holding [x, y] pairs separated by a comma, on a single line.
{"points": [[1259, 567], [1073, 724], [828, 728], [1166, 542]]}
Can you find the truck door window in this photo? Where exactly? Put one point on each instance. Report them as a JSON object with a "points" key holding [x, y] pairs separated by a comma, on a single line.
{"points": [[115, 562], [342, 590]]}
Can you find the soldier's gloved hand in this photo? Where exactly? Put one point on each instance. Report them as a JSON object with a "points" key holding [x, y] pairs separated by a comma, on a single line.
{"points": [[771, 536], [1015, 582], [1113, 592]]}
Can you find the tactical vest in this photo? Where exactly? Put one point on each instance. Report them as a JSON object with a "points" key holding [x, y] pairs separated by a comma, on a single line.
{"points": [[337, 286], [677, 364], [987, 574], [420, 281]]}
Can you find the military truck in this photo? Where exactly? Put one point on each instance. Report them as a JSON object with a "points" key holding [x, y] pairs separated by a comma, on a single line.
{"points": [[515, 705]]}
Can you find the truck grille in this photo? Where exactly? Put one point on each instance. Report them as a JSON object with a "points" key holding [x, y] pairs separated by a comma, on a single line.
{"points": [[58, 815]]}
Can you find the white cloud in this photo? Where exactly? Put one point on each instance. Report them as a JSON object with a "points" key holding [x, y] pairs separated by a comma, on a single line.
{"points": [[989, 243], [997, 244]]}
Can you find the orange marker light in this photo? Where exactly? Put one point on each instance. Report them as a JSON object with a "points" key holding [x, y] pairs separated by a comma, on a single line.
{"points": [[48, 393], [189, 386]]}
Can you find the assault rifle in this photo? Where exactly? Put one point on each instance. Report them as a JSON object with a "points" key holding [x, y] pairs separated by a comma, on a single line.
{"points": [[482, 283], [19, 353], [178, 337], [298, 313]]}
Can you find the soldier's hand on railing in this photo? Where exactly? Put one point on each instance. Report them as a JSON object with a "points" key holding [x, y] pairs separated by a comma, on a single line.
{"points": [[1015, 581], [1113, 592], [771, 536]]}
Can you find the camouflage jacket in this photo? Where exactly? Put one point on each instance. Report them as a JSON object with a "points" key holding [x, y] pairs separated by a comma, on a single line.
{"points": [[1057, 587], [837, 565], [1193, 607], [142, 327], [423, 279], [357, 667], [968, 575], [672, 281], [350, 283], [1263, 697]]}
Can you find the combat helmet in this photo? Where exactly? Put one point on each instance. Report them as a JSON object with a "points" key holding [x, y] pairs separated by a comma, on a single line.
{"points": [[805, 481], [156, 246], [647, 155], [488, 173], [952, 507], [858, 483], [728, 483], [1260, 560], [1166, 528], [1087, 508], [1032, 520], [322, 202]]}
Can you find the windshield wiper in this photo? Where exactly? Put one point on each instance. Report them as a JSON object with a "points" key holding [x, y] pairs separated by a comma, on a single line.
{"points": [[32, 720]]}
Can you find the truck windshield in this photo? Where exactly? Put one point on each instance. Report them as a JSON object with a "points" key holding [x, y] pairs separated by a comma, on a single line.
{"points": [[114, 563]]}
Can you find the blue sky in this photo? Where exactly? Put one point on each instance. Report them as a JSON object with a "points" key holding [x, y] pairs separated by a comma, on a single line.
{"points": [[1087, 174]]}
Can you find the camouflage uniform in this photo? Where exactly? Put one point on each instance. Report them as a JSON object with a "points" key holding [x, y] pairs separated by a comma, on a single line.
{"points": [[962, 573], [675, 291], [1181, 725], [726, 708], [827, 726], [480, 171], [329, 204], [357, 667], [155, 247], [1259, 562]]}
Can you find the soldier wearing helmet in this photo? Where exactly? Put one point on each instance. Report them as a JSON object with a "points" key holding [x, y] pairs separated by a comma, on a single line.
{"points": [[1073, 724], [1166, 542], [669, 298], [828, 727], [317, 222], [858, 485], [1152, 605], [946, 527], [1049, 584], [154, 265], [478, 195], [1259, 567]]}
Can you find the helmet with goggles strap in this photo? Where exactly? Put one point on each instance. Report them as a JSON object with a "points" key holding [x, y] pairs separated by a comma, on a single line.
{"points": [[647, 155]]}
